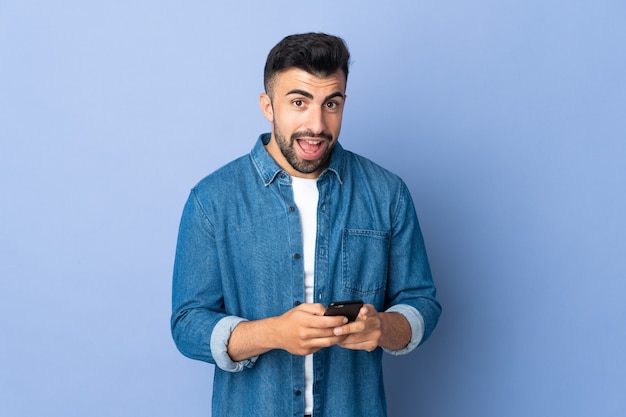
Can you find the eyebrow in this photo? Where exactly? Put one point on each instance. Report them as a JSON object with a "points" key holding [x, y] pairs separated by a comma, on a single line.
{"points": [[310, 96]]}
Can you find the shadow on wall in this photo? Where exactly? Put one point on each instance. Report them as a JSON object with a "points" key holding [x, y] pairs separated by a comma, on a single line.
{"points": [[416, 383], [412, 381]]}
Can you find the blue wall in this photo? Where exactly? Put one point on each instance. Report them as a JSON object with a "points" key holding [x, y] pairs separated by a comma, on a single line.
{"points": [[506, 119]]}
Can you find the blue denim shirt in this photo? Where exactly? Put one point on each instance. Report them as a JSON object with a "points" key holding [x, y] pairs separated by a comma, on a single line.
{"points": [[238, 258]]}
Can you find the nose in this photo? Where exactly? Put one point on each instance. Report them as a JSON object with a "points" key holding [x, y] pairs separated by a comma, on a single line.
{"points": [[315, 121]]}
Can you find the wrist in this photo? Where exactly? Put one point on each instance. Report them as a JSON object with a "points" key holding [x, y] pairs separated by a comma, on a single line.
{"points": [[395, 331], [250, 338]]}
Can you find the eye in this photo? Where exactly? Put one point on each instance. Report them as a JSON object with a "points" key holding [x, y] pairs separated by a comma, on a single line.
{"points": [[298, 103], [332, 105]]}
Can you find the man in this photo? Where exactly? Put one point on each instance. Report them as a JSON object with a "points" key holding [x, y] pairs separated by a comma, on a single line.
{"points": [[267, 241]]}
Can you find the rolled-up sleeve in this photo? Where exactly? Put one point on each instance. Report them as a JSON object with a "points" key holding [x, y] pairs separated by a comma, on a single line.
{"points": [[219, 345]]}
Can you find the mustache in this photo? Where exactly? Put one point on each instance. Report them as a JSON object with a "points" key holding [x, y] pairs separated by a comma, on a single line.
{"points": [[309, 134]]}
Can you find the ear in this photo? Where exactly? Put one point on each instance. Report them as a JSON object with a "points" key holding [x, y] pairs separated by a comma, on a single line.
{"points": [[266, 107]]}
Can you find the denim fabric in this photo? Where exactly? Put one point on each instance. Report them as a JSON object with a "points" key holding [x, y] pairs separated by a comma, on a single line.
{"points": [[238, 258]]}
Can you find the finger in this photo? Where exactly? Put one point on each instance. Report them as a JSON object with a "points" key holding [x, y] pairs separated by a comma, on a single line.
{"points": [[309, 346], [367, 345], [350, 328], [367, 310], [311, 308], [362, 340], [326, 322], [324, 325], [322, 342]]}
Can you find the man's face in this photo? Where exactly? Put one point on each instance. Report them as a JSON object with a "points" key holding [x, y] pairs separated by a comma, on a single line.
{"points": [[305, 111]]}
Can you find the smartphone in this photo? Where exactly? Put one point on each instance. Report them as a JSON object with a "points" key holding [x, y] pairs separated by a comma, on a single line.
{"points": [[349, 309]]}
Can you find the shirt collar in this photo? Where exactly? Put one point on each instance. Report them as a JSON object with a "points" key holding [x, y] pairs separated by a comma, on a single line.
{"points": [[268, 169]]}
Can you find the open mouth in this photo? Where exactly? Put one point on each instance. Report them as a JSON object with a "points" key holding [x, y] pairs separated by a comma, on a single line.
{"points": [[311, 148]]}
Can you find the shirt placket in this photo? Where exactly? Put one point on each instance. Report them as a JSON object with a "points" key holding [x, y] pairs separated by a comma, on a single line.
{"points": [[296, 260]]}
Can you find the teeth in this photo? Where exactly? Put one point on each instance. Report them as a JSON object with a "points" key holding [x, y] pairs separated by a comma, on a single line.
{"points": [[312, 142]]}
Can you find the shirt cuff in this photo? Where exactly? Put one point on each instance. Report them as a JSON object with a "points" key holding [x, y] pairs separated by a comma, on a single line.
{"points": [[416, 321], [219, 345]]}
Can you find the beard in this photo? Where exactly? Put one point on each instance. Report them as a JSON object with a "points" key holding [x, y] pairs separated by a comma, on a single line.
{"points": [[304, 166]]}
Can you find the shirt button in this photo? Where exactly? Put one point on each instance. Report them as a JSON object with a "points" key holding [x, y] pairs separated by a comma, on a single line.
{"points": [[297, 303], [296, 256], [292, 208], [298, 392]]}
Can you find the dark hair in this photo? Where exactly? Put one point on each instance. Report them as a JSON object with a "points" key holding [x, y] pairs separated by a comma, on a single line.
{"points": [[316, 53]]}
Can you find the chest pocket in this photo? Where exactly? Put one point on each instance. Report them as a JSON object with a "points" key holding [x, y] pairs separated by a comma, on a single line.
{"points": [[365, 257]]}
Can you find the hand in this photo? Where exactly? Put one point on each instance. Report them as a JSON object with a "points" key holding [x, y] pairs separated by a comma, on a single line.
{"points": [[372, 329], [304, 329], [364, 333], [301, 331]]}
